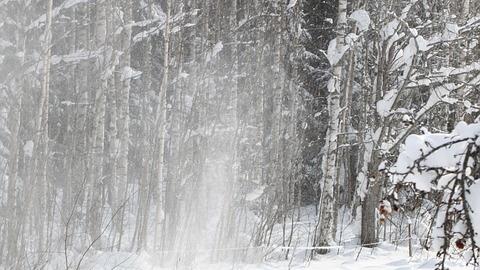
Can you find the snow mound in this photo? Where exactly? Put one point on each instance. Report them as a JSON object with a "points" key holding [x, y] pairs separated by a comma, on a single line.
{"points": [[361, 18]]}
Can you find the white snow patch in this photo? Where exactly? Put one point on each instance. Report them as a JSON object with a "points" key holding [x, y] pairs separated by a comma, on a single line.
{"points": [[450, 32], [215, 51], [383, 257], [417, 146], [422, 44], [385, 104], [75, 57], [255, 194], [291, 4], [129, 73], [217, 48], [28, 148], [406, 118], [4, 44], [334, 54], [390, 29], [361, 18], [67, 4]]}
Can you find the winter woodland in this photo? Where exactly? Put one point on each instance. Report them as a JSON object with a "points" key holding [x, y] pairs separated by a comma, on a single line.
{"points": [[180, 134]]}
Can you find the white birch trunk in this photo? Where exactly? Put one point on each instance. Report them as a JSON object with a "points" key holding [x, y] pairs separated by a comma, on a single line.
{"points": [[326, 228], [96, 166], [12, 229], [123, 121], [161, 126], [41, 142]]}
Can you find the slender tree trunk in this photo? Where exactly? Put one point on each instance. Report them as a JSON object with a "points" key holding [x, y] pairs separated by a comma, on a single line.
{"points": [[123, 121], [12, 229], [41, 142], [13, 203], [161, 121], [112, 113], [326, 227], [369, 224], [96, 158], [460, 107]]}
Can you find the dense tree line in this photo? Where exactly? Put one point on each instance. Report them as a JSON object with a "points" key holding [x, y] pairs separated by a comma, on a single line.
{"points": [[155, 124]]}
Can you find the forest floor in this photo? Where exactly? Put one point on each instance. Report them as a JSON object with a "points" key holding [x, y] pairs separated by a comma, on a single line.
{"points": [[384, 257], [348, 256]]}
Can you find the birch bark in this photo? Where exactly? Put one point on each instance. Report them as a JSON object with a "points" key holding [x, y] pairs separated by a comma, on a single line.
{"points": [[41, 142], [326, 227], [161, 125], [123, 117]]}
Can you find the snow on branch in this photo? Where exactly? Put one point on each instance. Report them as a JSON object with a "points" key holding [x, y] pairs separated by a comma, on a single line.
{"points": [[361, 19], [447, 163], [39, 22]]}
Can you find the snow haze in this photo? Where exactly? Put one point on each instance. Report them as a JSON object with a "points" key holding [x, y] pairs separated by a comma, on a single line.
{"points": [[244, 134]]}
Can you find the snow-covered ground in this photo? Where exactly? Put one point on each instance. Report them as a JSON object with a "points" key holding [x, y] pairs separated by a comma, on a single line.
{"points": [[384, 257], [348, 256]]}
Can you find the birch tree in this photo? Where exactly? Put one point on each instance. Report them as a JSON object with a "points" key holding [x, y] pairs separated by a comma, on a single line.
{"points": [[42, 140], [123, 114], [161, 123], [326, 228]]}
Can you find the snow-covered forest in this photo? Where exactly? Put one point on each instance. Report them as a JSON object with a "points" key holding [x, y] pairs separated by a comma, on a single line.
{"points": [[239, 134]]}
